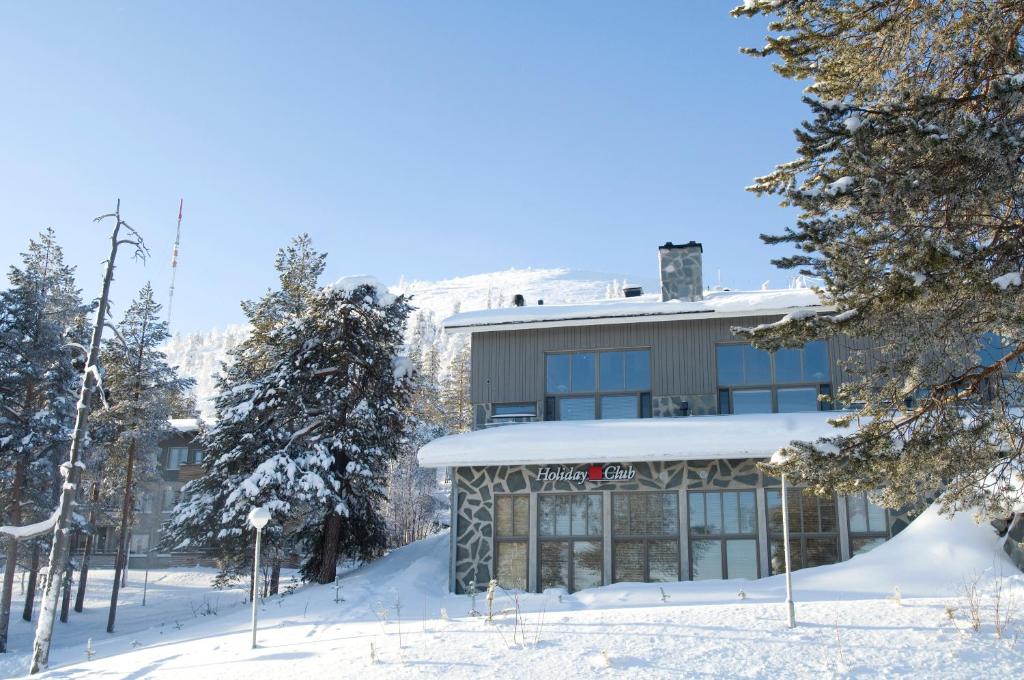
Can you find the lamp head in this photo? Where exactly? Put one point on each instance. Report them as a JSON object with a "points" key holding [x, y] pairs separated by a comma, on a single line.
{"points": [[259, 517]]}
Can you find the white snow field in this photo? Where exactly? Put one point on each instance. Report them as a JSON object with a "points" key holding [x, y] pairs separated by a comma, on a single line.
{"points": [[397, 620]]}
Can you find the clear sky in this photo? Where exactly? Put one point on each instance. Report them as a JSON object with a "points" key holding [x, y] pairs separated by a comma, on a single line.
{"points": [[424, 139]]}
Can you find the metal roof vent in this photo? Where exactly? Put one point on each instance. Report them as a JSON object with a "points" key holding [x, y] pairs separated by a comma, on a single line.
{"points": [[632, 291]]}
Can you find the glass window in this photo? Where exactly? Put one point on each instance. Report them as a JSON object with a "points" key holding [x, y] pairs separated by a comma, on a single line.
{"points": [[576, 408], [752, 401], [757, 366], [797, 399], [176, 457], [554, 564], [741, 556], [645, 532], [816, 361], [583, 371], [868, 522], [728, 520], [638, 370], [613, 371], [510, 564], [628, 559], [558, 373], [706, 559], [743, 365], [604, 374], [522, 409], [587, 564], [620, 406], [814, 536], [198, 456], [561, 518], [512, 515], [730, 364]]}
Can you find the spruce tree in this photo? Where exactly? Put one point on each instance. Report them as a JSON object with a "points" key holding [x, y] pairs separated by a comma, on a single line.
{"points": [[141, 389], [41, 315], [908, 180], [239, 441]]}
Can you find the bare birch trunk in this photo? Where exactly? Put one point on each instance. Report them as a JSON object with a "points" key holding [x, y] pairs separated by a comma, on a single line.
{"points": [[89, 539], [73, 467]]}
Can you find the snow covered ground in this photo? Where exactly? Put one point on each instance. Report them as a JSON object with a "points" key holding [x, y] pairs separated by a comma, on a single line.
{"points": [[396, 619]]}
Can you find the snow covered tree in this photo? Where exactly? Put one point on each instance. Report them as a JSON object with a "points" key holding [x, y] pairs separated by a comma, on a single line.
{"points": [[238, 442], [141, 389], [40, 314], [456, 402], [909, 184]]}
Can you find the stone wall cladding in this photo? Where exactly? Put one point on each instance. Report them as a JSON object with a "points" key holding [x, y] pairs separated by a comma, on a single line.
{"points": [[672, 406], [477, 486], [682, 273]]}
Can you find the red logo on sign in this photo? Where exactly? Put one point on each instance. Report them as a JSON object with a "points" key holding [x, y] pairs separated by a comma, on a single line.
{"points": [[595, 473]]}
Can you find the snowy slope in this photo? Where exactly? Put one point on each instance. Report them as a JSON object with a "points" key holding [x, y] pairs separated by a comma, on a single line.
{"points": [[396, 619], [199, 355]]}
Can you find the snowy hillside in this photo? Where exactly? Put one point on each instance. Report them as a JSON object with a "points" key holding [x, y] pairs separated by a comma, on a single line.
{"points": [[899, 611], [199, 355]]}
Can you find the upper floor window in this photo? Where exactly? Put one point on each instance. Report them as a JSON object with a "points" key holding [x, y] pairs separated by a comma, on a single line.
{"points": [[751, 380], [197, 456], [605, 384], [176, 457]]}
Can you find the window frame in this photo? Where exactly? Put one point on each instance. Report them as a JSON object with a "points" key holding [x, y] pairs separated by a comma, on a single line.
{"points": [[726, 402], [552, 400], [173, 464], [571, 538], [645, 538], [515, 537], [723, 536], [799, 535], [885, 534]]}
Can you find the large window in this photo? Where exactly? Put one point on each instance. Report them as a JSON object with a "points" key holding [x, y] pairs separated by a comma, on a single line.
{"points": [[569, 540], [605, 384], [723, 534], [813, 530], [751, 380], [511, 539], [645, 533], [176, 457], [868, 523]]}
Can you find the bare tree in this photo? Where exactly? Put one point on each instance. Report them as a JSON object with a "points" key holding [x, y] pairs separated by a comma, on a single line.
{"points": [[72, 468]]}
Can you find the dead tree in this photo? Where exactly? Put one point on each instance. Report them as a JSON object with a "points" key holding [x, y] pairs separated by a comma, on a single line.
{"points": [[72, 468], [83, 573]]}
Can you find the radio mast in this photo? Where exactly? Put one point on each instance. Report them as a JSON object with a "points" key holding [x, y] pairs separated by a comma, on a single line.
{"points": [[174, 263]]}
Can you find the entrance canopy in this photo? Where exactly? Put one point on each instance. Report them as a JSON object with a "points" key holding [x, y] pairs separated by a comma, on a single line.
{"points": [[622, 441]]}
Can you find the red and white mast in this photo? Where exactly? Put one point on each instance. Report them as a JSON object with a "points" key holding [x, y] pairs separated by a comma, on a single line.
{"points": [[174, 263]]}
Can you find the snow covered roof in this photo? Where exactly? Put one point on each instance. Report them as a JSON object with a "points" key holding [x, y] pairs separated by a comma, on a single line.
{"points": [[185, 424], [623, 441], [716, 303]]}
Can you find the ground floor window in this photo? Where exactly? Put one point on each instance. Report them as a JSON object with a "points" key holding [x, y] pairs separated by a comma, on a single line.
{"points": [[813, 529], [570, 541], [723, 534], [511, 539], [645, 536], [869, 523]]}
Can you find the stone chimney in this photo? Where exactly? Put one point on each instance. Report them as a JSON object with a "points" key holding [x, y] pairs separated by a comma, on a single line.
{"points": [[682, 271]]}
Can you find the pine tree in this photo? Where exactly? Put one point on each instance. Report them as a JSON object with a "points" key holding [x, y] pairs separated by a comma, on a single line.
{"points": [[141, 389], [909, 184], [239, 441], [40, 314]]}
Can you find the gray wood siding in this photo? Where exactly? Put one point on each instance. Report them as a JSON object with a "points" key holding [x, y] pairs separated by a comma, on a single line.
{"points": [[508, 366]]}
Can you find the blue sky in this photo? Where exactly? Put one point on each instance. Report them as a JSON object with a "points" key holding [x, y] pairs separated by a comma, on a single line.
{"points": [[427, 139]]}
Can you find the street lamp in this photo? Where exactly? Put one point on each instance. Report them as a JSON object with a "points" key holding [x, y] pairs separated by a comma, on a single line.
{"points": [[258, 517], [790, 612]]}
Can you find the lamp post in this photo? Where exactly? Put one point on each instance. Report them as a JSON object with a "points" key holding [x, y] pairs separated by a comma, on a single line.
{"points": [[258, 518], [790, 611]]}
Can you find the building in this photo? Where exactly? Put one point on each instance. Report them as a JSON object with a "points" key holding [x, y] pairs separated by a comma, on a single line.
{"points": [[634, 428], [179, 461]]}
